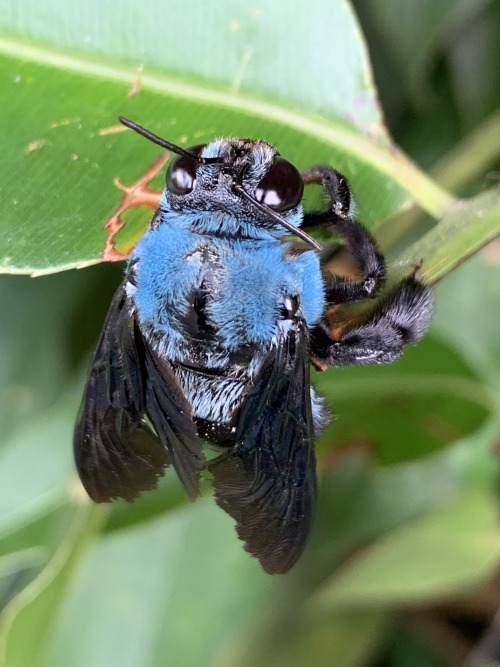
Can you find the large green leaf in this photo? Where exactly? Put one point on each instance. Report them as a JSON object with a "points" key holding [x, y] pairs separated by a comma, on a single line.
{"points": [[33, 479], [434, 557], [408, 409], [227, 42], [322, 640], [53, 217], [152, 580], [467, 313]]}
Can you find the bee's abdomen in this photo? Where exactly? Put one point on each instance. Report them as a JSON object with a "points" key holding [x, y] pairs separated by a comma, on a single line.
{"points": [[213, 396]]}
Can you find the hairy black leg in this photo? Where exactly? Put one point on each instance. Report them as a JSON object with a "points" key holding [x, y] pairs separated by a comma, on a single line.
{"points": [[337, 190], [360, 242], [401, 317]]}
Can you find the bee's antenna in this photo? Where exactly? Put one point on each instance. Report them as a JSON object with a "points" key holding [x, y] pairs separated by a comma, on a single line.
{"points": [[278, 218], [166, 144]]}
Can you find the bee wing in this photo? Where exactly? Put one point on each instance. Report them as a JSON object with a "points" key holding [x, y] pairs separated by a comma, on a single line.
{"points": [[171, 416], [267, 482], [117, 453]]}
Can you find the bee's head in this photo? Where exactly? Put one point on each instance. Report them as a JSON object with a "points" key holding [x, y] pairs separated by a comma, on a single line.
{"points": [[235, 176]]}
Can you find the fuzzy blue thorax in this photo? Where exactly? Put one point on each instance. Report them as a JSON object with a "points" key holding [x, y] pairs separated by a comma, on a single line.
{"points": [[246, 281]]}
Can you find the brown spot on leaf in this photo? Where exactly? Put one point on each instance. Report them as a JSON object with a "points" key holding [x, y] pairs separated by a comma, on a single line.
{"points": [[63, 123], [137, 84], [35, 145], [135, 88], [112, 129], [135, 196]]}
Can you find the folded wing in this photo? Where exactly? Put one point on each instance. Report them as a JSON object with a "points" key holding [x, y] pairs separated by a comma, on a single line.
{"points": [[267, 482], [118, 453]]}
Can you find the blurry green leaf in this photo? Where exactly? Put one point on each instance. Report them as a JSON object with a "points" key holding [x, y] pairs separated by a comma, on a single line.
{"points": [[17, 569], [413, 32], [182, 584], [468, 311], [50, 324], [473, 54], [405, 650], [36, 467], [25, 550], [167, 496], [54, 219], [33, 358], [404, 410], [30, 618], [44, 530], [343, 640], [472, 157], [444, 554], [359, 502], [443, 57], [36, 473]]}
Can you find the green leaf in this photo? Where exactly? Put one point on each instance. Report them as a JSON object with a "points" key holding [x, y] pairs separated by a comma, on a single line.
{"points": [[180, 585], [467, 313], [27, 548], [167, 496], [359, 502], [408, 649], [322, 640], [53, 219], [235, 46], [36, 472], [33, 613], [33, 359], [453, 549], [412, 35], [472, 157], [427, 399], [35, 478], [475, 48]]}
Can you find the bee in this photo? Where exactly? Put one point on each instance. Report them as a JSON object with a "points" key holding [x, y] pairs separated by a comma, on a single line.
{"points": [[210, 337]]}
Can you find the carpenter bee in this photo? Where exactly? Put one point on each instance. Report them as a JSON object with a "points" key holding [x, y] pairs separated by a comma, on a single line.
{"points": [[210, 336]]}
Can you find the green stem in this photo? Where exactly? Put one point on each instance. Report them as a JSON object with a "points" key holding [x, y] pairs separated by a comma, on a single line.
{"points": [[471, 157], [463, 163]]}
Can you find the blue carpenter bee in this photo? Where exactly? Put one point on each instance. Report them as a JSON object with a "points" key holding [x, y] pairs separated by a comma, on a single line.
{"points": [[210, 336]]}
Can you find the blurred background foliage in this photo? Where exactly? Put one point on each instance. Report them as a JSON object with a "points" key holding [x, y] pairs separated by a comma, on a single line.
{"points": [[402, 568]]}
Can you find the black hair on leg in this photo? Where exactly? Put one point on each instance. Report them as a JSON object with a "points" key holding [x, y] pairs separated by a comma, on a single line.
{"points": [[402, 317]]}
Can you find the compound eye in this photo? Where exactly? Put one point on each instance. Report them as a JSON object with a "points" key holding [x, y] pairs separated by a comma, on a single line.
{"points": [[282, 187], [181, 174]]}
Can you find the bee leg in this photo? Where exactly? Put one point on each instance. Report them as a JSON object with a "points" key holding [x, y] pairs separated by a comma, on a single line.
{"points": [[360, 242], [402, 317], [338, 192]]}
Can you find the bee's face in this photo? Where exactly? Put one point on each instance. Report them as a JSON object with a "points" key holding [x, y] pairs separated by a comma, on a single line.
{"points": [[254, 166], [244, 186]]}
